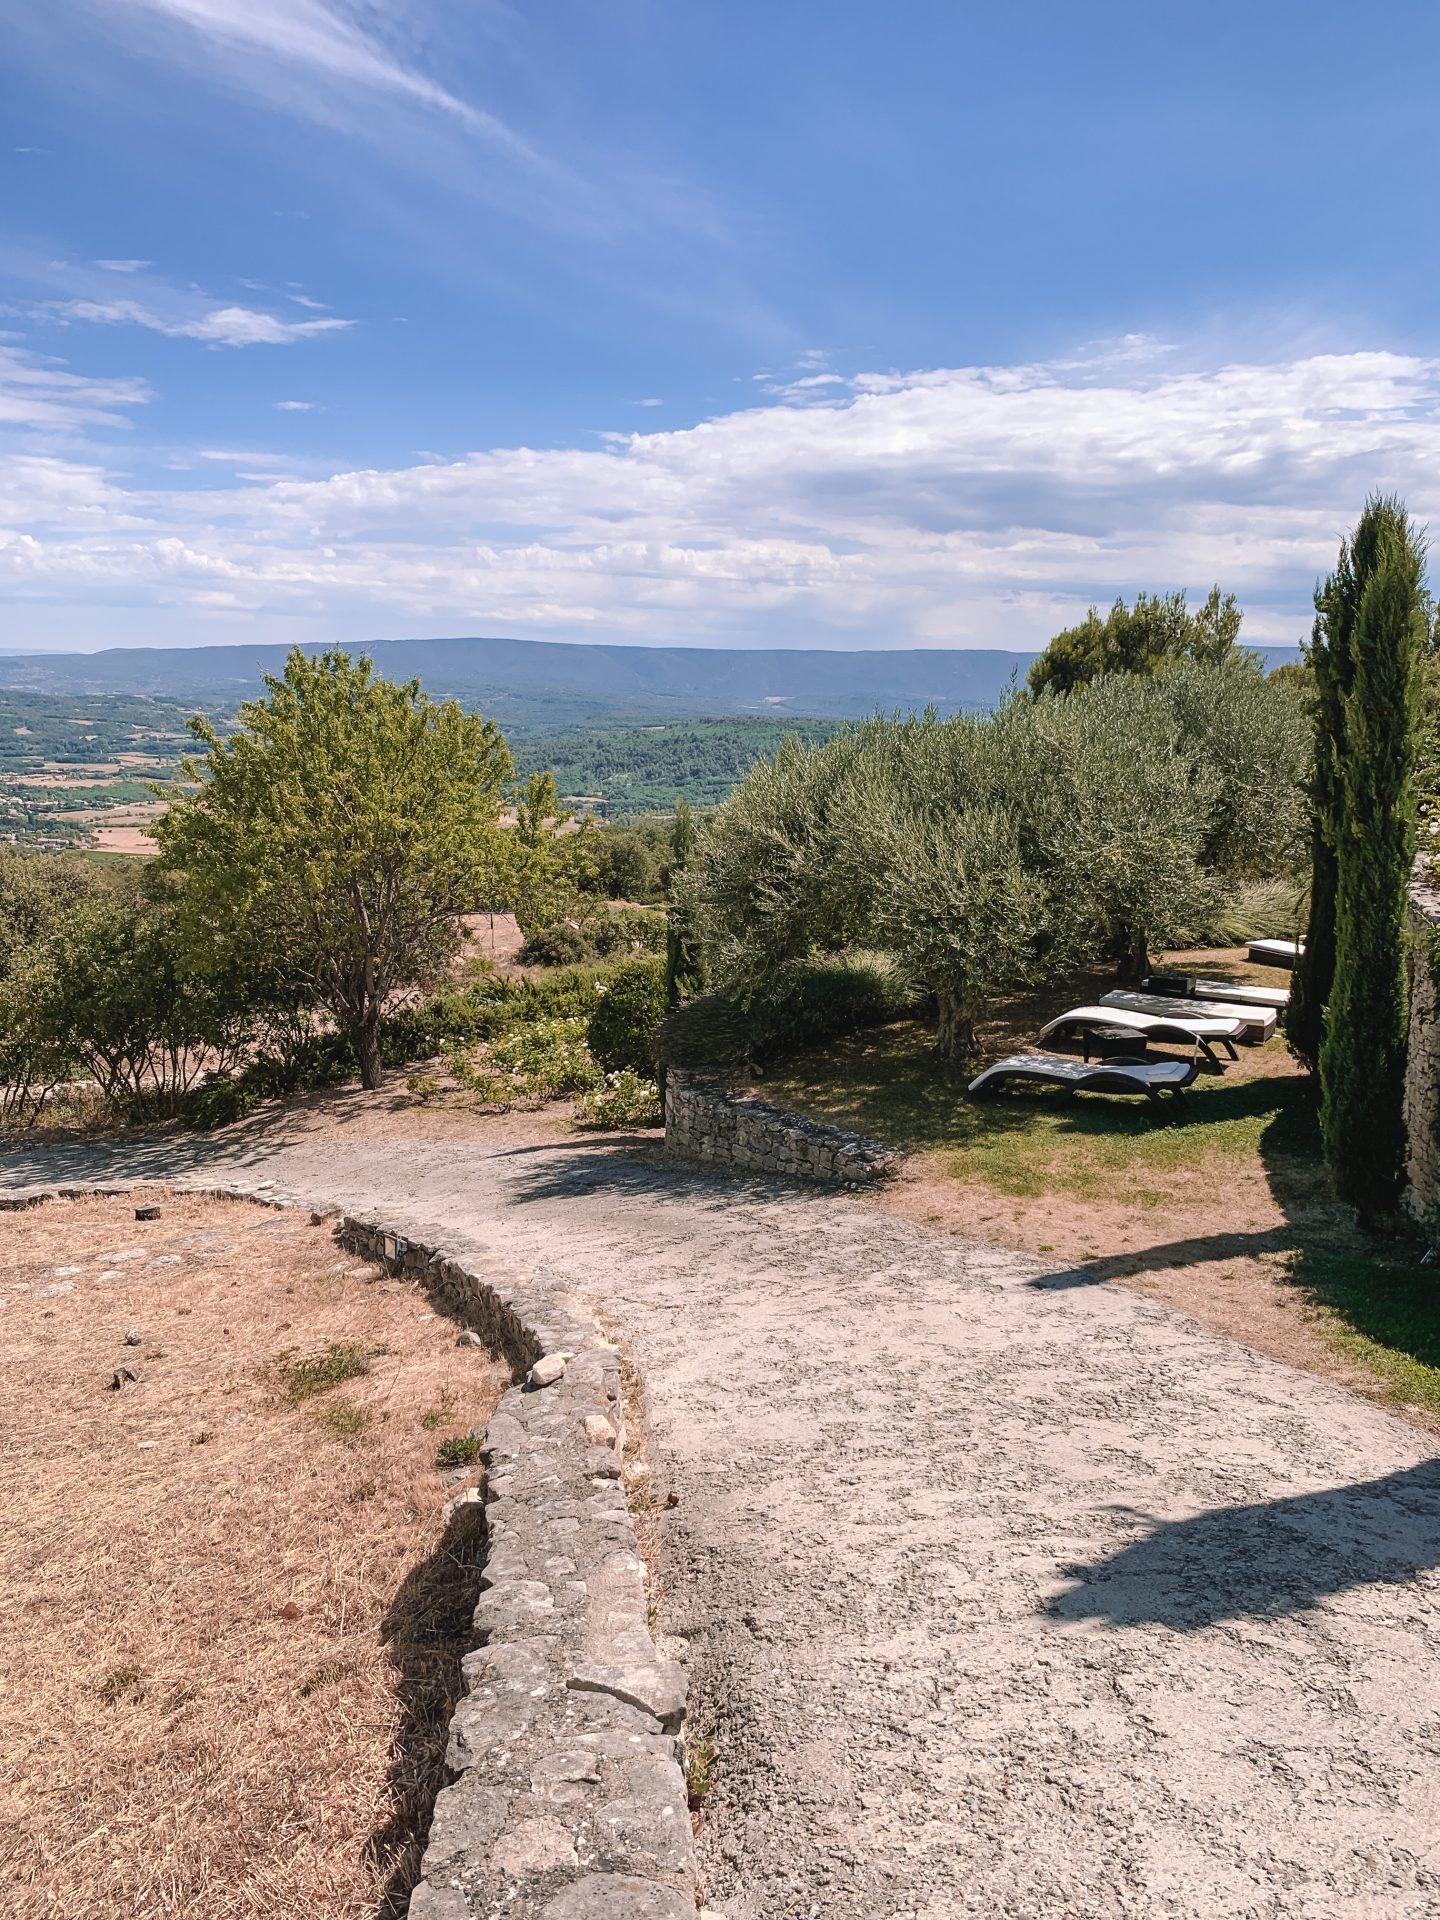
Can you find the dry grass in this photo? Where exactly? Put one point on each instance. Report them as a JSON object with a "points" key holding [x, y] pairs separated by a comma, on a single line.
{"points": [[230, 1615]]}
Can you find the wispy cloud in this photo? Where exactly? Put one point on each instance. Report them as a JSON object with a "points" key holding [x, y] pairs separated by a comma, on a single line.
{"points": [[218, 327], [649, 403], [981, 505], [294, 406], [322, 41], [42, 394], [124, 266]]}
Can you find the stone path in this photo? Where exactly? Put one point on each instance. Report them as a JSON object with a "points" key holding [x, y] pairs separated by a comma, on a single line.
{"points": [[1007, 1594]]}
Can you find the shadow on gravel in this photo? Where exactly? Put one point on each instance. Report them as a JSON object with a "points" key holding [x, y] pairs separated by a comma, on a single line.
{"points": [[427, 1628], [138, 1159], [1265, 1561], [620, 1170]]}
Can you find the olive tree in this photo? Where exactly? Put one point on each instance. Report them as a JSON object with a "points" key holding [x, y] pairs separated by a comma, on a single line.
{"points": [[1130, 816], [341, 830]]}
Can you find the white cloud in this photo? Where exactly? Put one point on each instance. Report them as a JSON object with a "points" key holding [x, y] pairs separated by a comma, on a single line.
{"points": [[319, 41], [219, 327], [960, 506], [304, 300], [124, 266], [294, 406], [648, 403], [42, 395]]}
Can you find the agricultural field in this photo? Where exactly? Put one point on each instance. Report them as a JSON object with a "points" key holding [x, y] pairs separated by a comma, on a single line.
{"points": [[76, 772]]}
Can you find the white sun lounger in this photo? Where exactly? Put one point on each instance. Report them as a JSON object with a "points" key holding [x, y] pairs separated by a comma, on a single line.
{"points": [[1201, 1030], [1148, 1077], [1276, 953], [1258, 1022], [1240, 993]]}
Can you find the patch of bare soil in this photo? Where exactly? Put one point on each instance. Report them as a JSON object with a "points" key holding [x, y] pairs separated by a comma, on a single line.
{"points": [[231, 1611], [1219, 1250], [490, 936]]}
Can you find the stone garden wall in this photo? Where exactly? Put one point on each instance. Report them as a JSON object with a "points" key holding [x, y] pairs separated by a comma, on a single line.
{"points": [[1422, 1064], [567, 1800], [721, 1127]]}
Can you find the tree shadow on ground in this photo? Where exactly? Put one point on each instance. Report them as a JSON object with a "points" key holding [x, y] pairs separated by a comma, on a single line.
{"points": [[1265, 1561], [427, 1628], [626, 1168], [148, 1160]]}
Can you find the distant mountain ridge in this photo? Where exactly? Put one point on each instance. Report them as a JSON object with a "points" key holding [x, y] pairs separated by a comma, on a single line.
{"points": [[529, 684]]}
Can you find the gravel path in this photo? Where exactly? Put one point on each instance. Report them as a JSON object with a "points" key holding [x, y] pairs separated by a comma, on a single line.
{"points": [[1008, 1594]]}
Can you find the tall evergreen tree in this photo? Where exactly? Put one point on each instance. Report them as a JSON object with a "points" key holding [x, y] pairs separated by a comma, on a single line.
{"points": [[1330, 657], [1362, 1055]]}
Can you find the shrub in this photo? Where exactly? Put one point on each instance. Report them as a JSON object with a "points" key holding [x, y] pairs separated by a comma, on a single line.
{"points": [[626, 930], [560, 945], [812, 1000], [627, 1099], [605, 934], [623, 1029]]}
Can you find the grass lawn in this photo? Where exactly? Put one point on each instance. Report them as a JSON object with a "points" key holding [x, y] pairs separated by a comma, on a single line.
{"points": [[1222, 1208]]}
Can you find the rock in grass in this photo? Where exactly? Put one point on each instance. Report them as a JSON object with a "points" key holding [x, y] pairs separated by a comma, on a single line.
{"points": [[147, 1213], [469, 1338], [133, 1336], [123, 1377]]}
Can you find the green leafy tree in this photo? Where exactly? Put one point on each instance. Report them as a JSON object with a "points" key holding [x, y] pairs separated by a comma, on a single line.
{"points": [[1254, 735], [550, 856], [1158, 629], [622, 1031], [968, 917], [1131, 813], [685, 972], [108, 993], [624, 865], [342, 828], [1362, 1055]]}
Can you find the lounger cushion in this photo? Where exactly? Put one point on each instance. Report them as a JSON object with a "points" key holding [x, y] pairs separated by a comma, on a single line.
{"points": [[1258, 1022], [1099, 1077], [1241, 993], [1185, 1026]]}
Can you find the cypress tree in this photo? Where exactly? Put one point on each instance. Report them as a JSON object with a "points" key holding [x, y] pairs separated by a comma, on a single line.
{"points": [[1362, 1055], [1330, 657]]}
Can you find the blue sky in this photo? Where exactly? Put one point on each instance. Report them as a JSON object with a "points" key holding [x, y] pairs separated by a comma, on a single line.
{"points": [[701, 323]]}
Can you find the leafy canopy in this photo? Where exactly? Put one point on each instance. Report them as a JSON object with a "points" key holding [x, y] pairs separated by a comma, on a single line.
{"points": [[1158, 629], [987, 852], [340, 831]]}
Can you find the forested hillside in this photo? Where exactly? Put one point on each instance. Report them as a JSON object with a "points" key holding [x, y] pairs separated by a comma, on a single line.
{"points": [[647, 769]]}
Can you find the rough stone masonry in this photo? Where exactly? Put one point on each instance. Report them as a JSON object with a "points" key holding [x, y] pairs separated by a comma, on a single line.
{"points": [[567, 1800], [721, 1127]]}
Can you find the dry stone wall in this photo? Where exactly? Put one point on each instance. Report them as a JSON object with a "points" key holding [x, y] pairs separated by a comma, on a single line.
{"points": [[567, 1800], [1422, 1062], [720, 1126]]}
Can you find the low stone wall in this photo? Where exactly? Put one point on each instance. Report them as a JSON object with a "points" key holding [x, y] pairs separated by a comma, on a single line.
{"points": [[723, 1127], [1422, 1059], [567, 1800]]}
